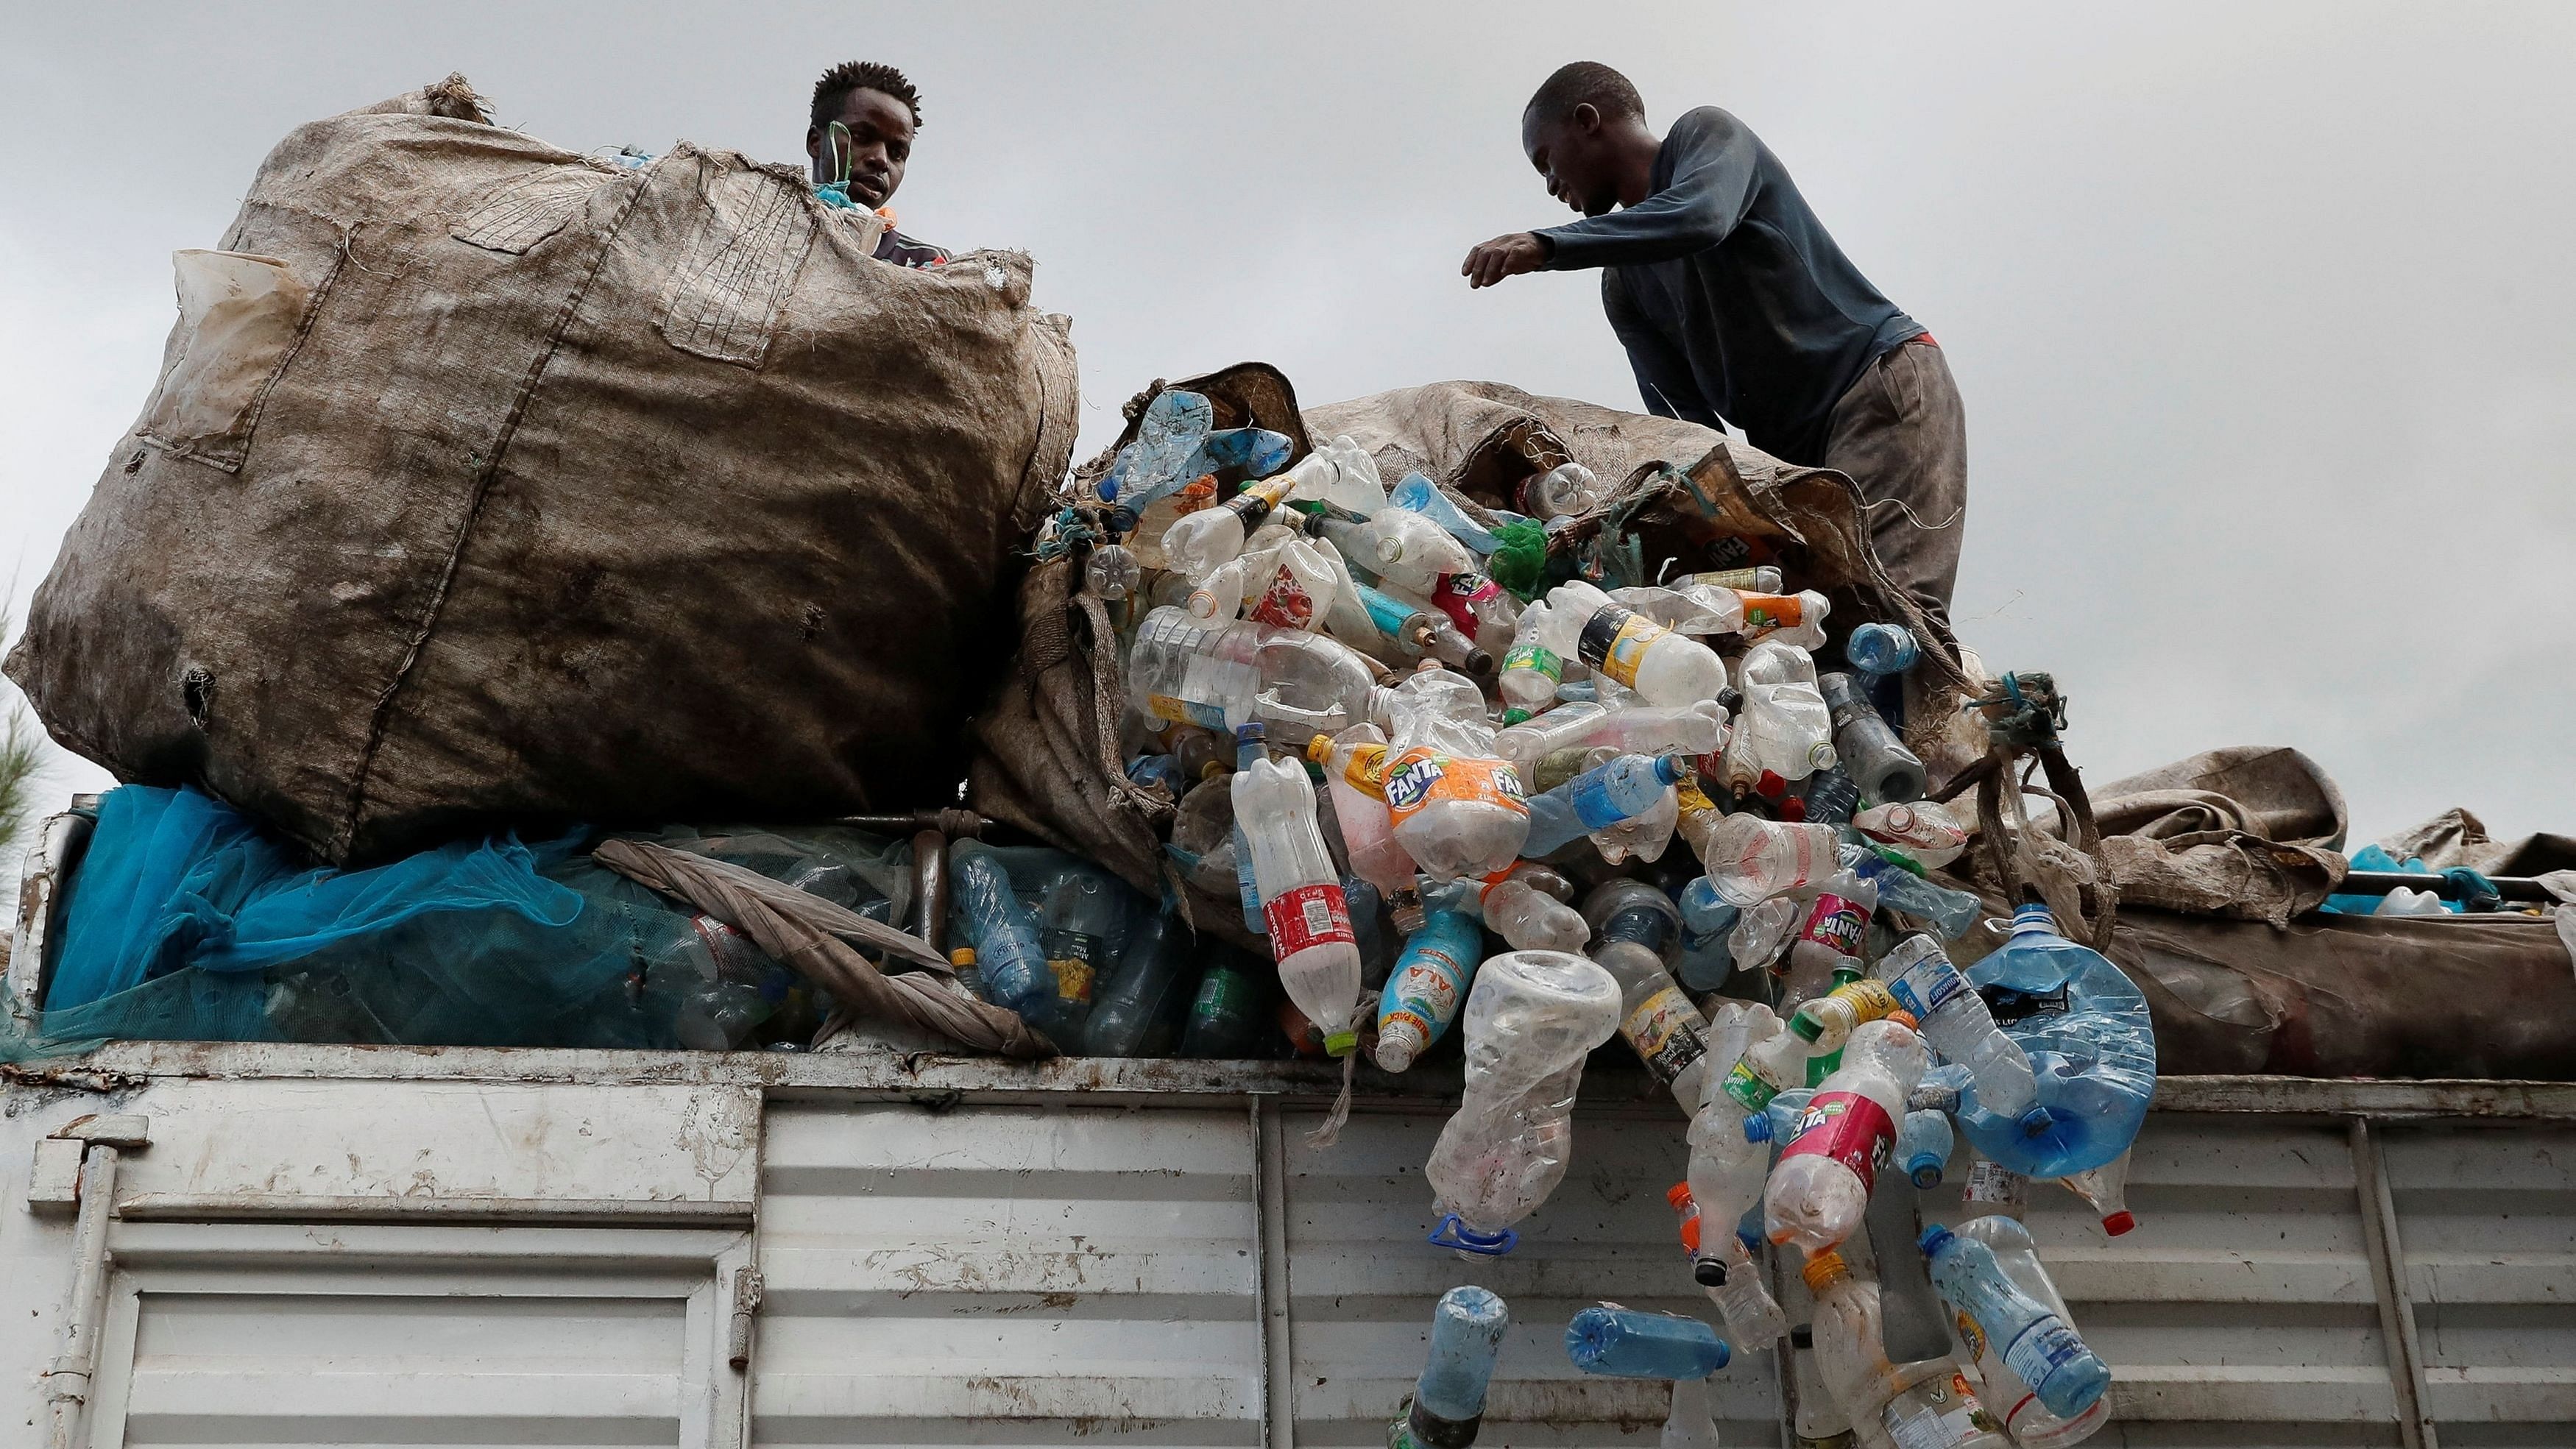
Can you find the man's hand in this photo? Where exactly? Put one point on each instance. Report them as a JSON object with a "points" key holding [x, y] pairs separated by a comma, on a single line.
{"points": [[1504, 256]]}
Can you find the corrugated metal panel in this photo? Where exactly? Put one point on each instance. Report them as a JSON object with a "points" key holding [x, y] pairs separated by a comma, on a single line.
{"points": [[2242, 1310], [1008, 1275], [2487, 1225], [1362, 1282]]}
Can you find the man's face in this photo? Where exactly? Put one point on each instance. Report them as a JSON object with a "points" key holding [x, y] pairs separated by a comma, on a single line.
{"points": [[1573, 158], [878, 143]]}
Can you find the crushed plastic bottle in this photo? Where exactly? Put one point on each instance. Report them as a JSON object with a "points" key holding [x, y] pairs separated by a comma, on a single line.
{"points": [[1600, 797], [1820, 1188], [1480, 608], [1168, 433], [1078, 915], [1428, 984], [1448, 1402], [2092, 1050], [1955, 1022], [2031, 1423], [1516, 905], [1877, 649], [1340, 473], [1880, 764], [1420, 495], [1997, 1315], [1630, 1344], [1926, 832], [1722, 1263], [1949, 912], [1301, 898], [1783, 731], [1762, 931], [1751, 859], [1728, 1159], [1456, 807], [1691, 1422], [1827, 951], [1850, 1347], [1531, 1018], [1136, 1013], [1794, 619], [1252, 452], [1628, 648], [1531, 671], [1011, 967]]}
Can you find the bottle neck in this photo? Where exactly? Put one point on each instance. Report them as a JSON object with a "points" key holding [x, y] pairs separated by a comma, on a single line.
{"points": [[2033, 920]]}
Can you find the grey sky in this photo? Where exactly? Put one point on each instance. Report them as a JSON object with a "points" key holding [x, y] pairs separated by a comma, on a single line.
{"points": [[2260, 311]]}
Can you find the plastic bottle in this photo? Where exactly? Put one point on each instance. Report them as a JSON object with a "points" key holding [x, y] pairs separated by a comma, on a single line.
{"points": [[1253, 452], [1310, 684], [1656, 1018], [1448, 1401], [1923, 1145], [1310, 923], [1168, 434], [1415, 632], [1226, 1019], [1421, 495], [1797, 618], [1949, 912], [1827, 1021], [1827, 951], [1078, 915], [1599, 797], [1925, 831], [1879, 762], [2105, 1190], [1011, 968], [1783, 731], [1190, 671], [1355, 774], [1164, 770], [1832, 797], [1527, 917], [1480, 608], [1112, 572], [1751, 859], [1135, 1014], [2036, 1343], [1531, 1018], [1773, 1062], [1198, 543], [1567, 488], [1936, 1408], [1763, 931], [1955, 1022], [2031, 1423], [1340, 473], [1881, 649], [1851, 1353], [1761, 579], [1410, 551], [1820, 1187], [1723, 1265], [1631, 650], [1429, 982], [1625, 1343], [1531, 671], [1691, 1422], [1703, 962], [2092, 1051], [1457, 808], [1248, 747]]}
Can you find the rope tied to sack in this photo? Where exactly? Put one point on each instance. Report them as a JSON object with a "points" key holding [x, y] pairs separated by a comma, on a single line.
{"points": [[2024, 713]]}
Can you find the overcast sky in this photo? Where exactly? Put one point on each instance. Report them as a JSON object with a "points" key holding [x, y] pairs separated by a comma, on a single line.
{"points": [[2261, 313]]}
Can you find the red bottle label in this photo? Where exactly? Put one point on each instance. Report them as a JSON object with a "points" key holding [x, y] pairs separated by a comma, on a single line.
{"points": [[1849, 1128], [1837, 923], [1308, 915], [1458, 596]]}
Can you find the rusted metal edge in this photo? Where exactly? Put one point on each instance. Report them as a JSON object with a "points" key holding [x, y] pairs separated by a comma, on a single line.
{"points": [[298, 1207], [903, 1076]]}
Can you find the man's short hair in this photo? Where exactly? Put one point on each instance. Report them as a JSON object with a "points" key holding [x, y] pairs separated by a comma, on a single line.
{"points": [[1586, 82], [832, 92]]}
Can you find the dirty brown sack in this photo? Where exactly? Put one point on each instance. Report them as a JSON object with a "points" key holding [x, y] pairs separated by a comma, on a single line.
{"points": [[488, 484]]}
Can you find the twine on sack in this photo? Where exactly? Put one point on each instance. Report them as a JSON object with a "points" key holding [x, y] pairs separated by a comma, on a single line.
{"points": [[2023, 717], [814, 937]]}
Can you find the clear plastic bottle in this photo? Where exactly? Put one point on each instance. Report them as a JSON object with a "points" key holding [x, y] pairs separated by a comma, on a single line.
{"points": [[1782, 730], [1456, 807], [1531, 1018], [1723, 1265], [1190, 671], [1531, 671], [1998, 1316], [2091, 1046], [1567, 488], [1850, 1346], [1248, 747], [1773, 1062], [1310, 684], [1137, 1013], [1820, 1188], [1423, 993], [1197, 544], [1354, 764], [1598, 798], [1761, 579], [1310, 923], [1112, 572], [1924, 1142], [1827, 951], [1011, 968], [1528, 918], [1691, 1422], [1467, 1330], [2105, 1190], [1880, 764], [1925, 831], [1480, 608], [1936, 1408], [1416, 632], [1340, 473], [1421, 495], [1080, 911], [1629, 1344], [1410, 551], [1797, 619], [1955, 1022], [1751, 859], [1631, 650], [1949, 912], [2031, 1423], [1656, 1017], [1762, 932]]}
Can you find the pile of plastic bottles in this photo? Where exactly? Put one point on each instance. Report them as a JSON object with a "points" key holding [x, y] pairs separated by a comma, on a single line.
{"points": [[1396, 764]]}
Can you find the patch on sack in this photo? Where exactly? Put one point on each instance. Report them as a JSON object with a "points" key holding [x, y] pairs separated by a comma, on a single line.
{"points": [[753, 230], [526, 209]]}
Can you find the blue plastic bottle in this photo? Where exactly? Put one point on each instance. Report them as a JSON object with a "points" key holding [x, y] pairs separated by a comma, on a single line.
{"points": [[1625, 1343], [1259, 452], [1012, 970], [1923, 1143], [1706, 960], [1417, 494], [1599, 797], [1950, 913], [2092, 1050], [1428, 985], [2037, 1344], [1882, 649], [1449, 1399], [1167, 437]]}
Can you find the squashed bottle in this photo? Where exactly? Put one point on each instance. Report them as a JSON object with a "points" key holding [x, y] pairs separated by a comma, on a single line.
{"points": [[1354, 764], [1456, 807], [1820, 1187], [1628, 648], [1531, 1018]]}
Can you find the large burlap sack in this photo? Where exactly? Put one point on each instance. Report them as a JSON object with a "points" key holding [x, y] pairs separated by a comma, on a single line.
{"points": [[488, 483], [1047, 759]]}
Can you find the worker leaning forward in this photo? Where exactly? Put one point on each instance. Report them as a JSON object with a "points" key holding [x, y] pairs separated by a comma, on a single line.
{"points": [[860, 139], [1736, 306]]}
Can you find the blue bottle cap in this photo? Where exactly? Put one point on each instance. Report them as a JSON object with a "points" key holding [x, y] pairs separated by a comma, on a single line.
{"points": [[1925, 1171], [1250, 733], [1757, 1128], [1673, 769], [1934, 1239]]}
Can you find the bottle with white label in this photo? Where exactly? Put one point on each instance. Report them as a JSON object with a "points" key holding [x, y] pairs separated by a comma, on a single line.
{"points": [[1819, 1189], [1998, 1316], [1301, 897], [2031, 1423], [1655, 1016], [1630, 649], [1957, 1023]]}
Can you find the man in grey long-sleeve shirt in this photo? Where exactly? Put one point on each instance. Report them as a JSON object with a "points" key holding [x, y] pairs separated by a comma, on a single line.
{"points": [[1735, 306]]}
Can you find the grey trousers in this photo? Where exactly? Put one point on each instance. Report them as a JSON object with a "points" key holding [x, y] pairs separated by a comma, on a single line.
{"points": [[1902, 435]]}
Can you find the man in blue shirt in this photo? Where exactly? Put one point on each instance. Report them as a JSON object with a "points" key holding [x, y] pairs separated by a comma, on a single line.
{"points": [[1735, 306]]}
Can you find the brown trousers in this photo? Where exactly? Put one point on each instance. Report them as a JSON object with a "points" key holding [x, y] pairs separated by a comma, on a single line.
{"points": [[1902, 435]]}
